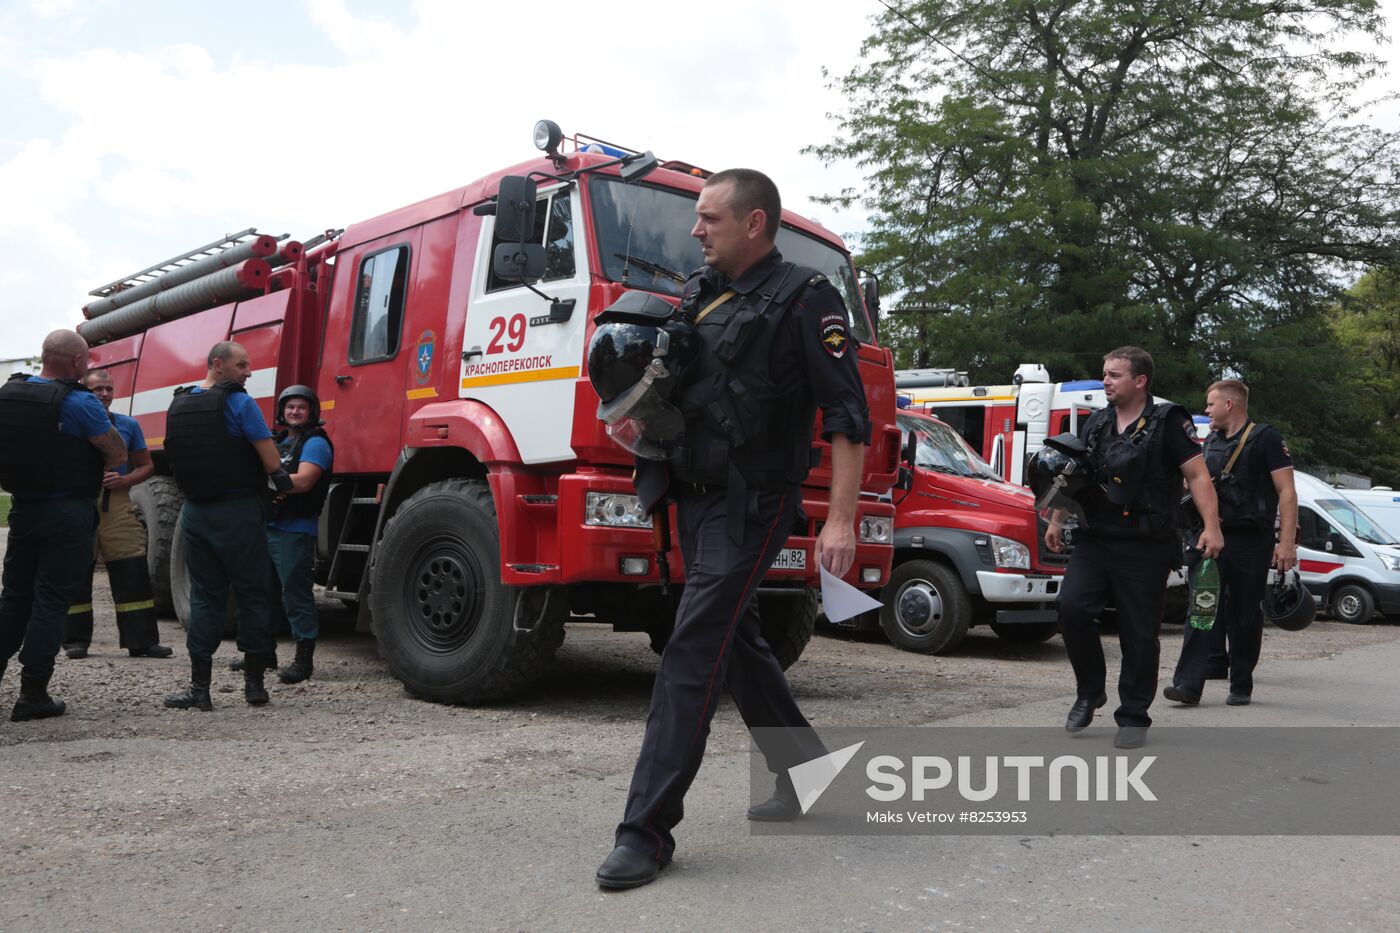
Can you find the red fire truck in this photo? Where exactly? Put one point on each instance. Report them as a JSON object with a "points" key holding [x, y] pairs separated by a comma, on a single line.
{"points": [[477, 502]]}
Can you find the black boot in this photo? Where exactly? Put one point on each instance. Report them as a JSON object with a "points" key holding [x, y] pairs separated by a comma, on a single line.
{"points": [[238, 664], [301, 668], [196, 696], [34, 700], [782, 807], [253, 690]]}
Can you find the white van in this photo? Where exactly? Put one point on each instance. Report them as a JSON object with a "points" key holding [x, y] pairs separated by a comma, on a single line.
{"points": [[1382, 504], [1349, 562]]}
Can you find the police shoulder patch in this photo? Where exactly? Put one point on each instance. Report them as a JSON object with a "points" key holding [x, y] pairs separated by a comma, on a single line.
{"points": [[833, 335], [1190, 428]]}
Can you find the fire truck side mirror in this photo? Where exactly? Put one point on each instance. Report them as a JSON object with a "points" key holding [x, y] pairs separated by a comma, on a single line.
{"points": [[638, 166], [515, 208], [518, 262], [870, 288]]}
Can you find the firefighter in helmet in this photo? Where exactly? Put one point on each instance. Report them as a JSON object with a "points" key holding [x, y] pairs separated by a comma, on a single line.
{"points": [[121, 543], [55, 442], [223, 458], [726, 434], [1128, 545]]}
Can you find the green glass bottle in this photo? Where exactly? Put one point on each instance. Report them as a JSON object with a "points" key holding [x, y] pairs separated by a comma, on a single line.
{"points": [[1205, 594]]}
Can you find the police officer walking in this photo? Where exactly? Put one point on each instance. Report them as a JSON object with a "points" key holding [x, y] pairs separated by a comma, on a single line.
{"points": [[1128, 545], [121, 543], [307, 455], [774, 347], [55, 442], [222, 455], [1253, 475]]}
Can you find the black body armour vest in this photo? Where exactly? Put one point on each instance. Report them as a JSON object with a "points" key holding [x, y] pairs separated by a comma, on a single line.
{"points": [[207, 461], [302, 504], [1242, 494], [1146, 494], [737, 421], [35, 456]]}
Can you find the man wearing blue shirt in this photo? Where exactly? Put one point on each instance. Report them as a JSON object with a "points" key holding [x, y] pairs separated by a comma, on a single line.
{"points": [[222, 456], [291, 534], [55, 442], [121, 543]]}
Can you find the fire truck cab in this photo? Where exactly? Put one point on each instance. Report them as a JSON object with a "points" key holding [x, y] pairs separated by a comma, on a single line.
{"points": [[478, 503]]}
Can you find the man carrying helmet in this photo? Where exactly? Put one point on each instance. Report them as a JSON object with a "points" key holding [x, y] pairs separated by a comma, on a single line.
{"points": [[1138, 452], [291, 531], [719, 408], [1253, 475]]}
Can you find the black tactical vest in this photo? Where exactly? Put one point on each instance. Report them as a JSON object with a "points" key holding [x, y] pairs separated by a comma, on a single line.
{"points": [[737, 419], [302, 504], [1133, 463], [1244, 494], [207, 461], [36, 458]]}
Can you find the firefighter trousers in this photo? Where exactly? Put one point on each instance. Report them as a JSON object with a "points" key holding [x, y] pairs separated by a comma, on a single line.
{"points": [[121, 544], [48, 550], [716, 643], [1134, 573], [226, 548], [1238, 632]]}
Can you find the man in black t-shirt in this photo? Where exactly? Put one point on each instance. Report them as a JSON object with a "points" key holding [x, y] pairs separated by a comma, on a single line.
{"points": [[1127, 547], [1253, 475]]}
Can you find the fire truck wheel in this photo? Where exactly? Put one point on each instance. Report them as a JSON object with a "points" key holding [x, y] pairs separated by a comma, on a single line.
{"points": [[157, 502], [180, 587], [1353, 604], [787, 623], [1025, 633], [447, 626], [926, 608]]}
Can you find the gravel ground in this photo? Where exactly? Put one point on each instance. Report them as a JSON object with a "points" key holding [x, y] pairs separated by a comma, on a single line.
{"points": [[345, 804]]}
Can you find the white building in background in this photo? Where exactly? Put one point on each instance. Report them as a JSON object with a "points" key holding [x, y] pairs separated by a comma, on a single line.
{"points": [[24, 364]]}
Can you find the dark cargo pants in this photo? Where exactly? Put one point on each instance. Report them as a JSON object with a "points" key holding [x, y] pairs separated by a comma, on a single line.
{"points": [[1238, 632], [226, 548], [716, 643], [48, 551]]}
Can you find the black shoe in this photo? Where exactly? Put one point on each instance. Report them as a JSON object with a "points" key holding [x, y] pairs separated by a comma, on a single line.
{"points": [[196, 695], [151, 651], [1237, 699], [626, 868], [77, 652], [34, 701], [1081, 714], [301, 668], [1179, 695], [1130, 737], [782, 807]]}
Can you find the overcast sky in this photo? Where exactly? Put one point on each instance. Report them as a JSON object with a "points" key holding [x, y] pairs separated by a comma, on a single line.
{"points": [[139, 129]]}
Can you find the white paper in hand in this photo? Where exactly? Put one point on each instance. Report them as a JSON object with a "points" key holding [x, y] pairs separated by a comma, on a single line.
{"points": [[841, 601]]}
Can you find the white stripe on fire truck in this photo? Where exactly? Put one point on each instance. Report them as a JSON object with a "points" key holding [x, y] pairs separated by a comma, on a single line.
{"points": [[260, 385]]}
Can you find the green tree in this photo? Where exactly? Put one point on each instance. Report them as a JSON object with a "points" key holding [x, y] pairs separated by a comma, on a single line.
{"points": [[1367, 326], [1049, 179]]}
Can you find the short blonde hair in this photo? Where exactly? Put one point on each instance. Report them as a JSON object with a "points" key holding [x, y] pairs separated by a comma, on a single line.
{"points": [[1233, 389]]}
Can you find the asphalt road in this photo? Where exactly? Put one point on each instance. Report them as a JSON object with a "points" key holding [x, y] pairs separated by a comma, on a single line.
{"points": [[345, 805]]}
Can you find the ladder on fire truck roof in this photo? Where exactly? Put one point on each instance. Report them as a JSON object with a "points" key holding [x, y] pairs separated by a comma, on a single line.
{"points": [[177, 262]]}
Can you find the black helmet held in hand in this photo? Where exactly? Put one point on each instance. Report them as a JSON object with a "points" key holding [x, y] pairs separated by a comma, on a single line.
{"points": [[1287, 602], [1059, 472], [635, 361], [305, 392]]}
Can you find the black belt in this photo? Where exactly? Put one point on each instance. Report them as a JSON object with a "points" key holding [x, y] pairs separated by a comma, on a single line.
{"points": [[682, 487]]}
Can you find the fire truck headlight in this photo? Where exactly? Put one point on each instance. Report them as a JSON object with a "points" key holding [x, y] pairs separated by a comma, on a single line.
{"points": [[875, 529], [548, 136], [1013, 555], [614, 510]]}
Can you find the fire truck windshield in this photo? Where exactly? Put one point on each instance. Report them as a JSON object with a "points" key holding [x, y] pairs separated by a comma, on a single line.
{"points": [[644, 233], [939, 448]]}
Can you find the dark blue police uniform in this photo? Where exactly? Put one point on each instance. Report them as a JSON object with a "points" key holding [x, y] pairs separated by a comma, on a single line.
{"points": [[54, 473], [1126, 551], [773, 353], [1248, 505]]}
